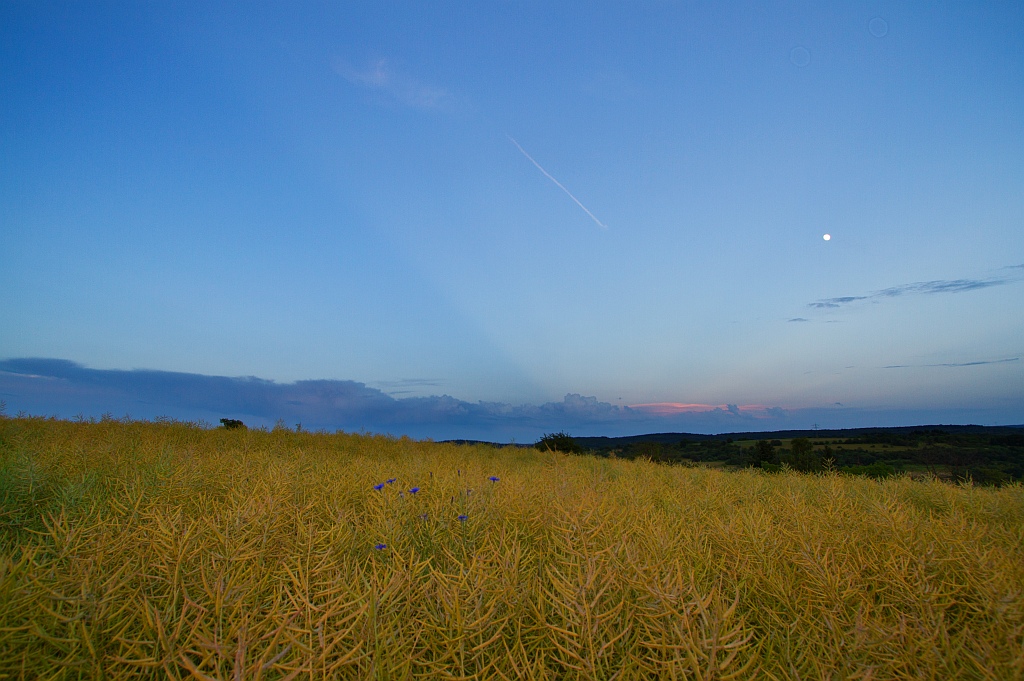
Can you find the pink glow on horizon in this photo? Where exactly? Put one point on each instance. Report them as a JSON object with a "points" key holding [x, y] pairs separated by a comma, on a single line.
{"points": [[670, 408]]}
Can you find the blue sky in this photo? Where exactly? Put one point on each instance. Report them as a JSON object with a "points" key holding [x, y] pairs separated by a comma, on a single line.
{"points": [[613, 213]]}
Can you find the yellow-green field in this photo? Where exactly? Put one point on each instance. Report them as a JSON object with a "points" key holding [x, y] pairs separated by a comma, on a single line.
{"points": [[135, 550]]}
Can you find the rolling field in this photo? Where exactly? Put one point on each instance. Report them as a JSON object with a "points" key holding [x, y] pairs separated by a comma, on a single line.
{"points": [[163, 550]]}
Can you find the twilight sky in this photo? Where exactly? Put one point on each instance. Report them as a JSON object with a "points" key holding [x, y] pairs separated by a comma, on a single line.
{"points": [[499, 219]]}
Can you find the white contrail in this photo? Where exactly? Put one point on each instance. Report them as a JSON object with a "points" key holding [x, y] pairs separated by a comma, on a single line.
{"points": [[560, 185]]}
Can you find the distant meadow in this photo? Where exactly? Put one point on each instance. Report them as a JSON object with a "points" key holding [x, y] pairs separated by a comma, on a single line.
{"points": [[166, 550]]}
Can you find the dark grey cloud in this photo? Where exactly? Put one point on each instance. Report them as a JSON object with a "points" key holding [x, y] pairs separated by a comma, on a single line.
{"points": [[798, 319], [922, 287], [61, 387], [836, 302], [955, 364], [971, 364], [66, 389], [940, 286]]}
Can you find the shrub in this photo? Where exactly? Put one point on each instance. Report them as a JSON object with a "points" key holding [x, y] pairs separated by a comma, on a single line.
{"points": [[559, 442]]}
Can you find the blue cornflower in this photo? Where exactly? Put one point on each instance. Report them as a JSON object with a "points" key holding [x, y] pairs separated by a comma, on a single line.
{"points": [[390, 480], [379, 487], [463, 518], [494, 478], [380, 547], [414, 490]]}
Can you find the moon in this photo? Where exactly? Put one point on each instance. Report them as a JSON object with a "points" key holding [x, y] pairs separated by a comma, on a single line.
{"points": [[827, 237]]}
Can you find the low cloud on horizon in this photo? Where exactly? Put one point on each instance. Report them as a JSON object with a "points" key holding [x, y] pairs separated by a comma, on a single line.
{"points": [[66, 389]]}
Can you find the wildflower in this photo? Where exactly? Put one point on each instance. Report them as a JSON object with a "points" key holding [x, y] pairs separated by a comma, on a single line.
{"points": [[468, 492], [380, 547], [390, 480], [460, 472], [379, 487], [423, 517], [463, 518], [494, 478], [414, 490]]}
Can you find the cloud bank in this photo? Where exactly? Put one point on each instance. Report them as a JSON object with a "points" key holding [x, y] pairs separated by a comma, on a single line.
{"points": [[66, 389]]}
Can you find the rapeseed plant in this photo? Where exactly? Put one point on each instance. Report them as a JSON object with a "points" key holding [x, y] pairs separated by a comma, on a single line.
{"points": [[141, 550]]}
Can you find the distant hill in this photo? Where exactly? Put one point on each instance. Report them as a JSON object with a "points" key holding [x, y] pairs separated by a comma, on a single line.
{"points": [[666, 438], [604, 442], [983, 454]]}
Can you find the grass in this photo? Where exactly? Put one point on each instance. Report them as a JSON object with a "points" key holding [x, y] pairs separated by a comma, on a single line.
{"points": [[142, 550]]}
